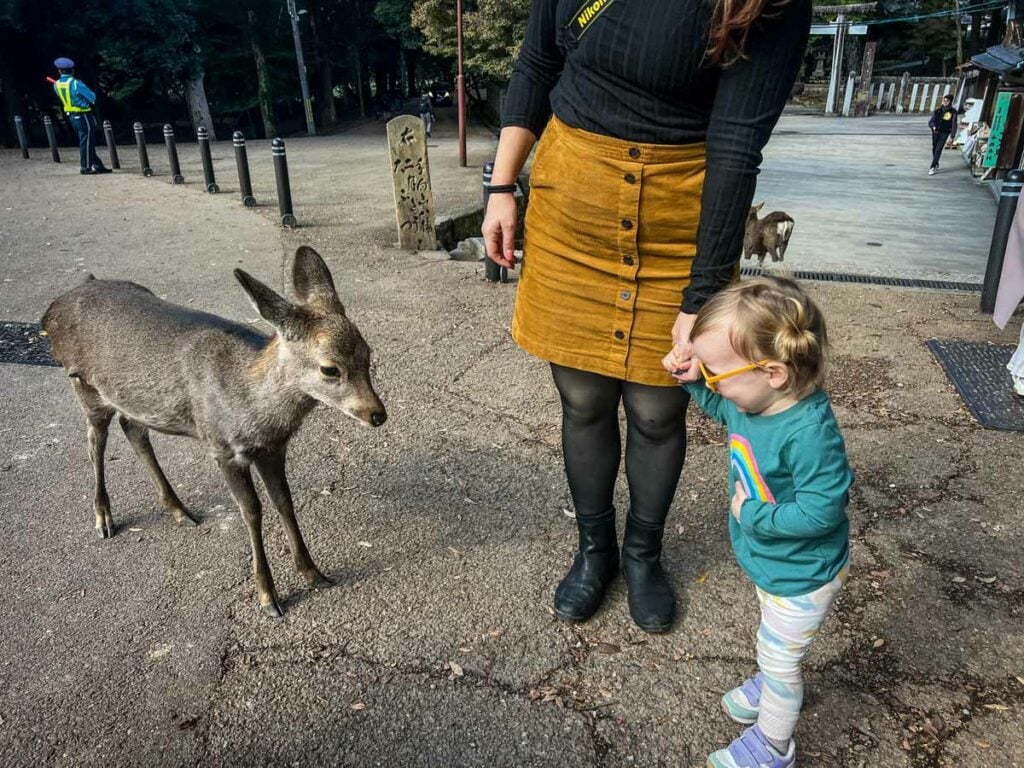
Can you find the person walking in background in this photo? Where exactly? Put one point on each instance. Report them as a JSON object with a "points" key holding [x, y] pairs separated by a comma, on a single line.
{"points": [[78, 101], [427, 113], [942, 123]]}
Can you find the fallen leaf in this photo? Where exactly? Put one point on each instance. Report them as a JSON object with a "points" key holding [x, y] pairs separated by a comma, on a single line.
{"points": [[987, 579], [568, 513], [358, 706], [701, 578], [959, 579], [982, 744], [878, 643], [366, 544], [608, 648], [455, 668], [1020, 679], [997, 707]]}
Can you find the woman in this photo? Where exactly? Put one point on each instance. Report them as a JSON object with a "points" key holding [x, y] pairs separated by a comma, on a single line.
{"points": [[651, 117]]}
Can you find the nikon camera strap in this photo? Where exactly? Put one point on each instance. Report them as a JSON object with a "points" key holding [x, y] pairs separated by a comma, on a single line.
{"points": [[585, 17]]}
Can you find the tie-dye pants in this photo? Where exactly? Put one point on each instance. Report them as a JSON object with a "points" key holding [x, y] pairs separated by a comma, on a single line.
{"points": [[788, 625]]}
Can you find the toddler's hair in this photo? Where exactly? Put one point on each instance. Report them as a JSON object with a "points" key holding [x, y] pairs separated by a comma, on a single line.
{"points": [[771, 317]]}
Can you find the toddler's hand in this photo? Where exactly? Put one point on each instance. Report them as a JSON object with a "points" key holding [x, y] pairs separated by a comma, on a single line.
{"points": [[683, 369], [738, 497]]}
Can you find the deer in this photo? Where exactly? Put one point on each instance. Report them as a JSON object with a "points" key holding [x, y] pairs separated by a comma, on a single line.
{"points": [[769, 235], [163, 367]]}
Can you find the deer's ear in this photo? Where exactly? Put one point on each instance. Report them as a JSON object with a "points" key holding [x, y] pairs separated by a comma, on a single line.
{"points": [[312, 279], [758, 206], [273, 307]]}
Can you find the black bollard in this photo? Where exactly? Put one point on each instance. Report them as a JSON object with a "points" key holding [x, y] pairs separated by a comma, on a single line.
{"points": [[51, 138], [242, 161], [19, 127], [108, 132], [1008, 197], [140, 139], [493, 271], [172, 155], [284, 190], [203, 137]]}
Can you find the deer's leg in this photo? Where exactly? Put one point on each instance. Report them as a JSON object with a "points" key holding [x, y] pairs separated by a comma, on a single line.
{"points": [[138, 436], [272, 469], [239, 482], [98, 423], [98, 414]]}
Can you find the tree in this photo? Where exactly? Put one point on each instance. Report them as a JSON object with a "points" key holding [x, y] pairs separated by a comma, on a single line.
{"points": [[492, 30]]}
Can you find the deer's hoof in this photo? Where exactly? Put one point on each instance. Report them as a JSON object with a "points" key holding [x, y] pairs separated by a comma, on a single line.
{"points": [[183, 518], [317, 580], [274, 610], [105, 531]]}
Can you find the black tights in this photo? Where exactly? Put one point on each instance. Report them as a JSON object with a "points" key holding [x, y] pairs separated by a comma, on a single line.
{"points": [[591, 445]]}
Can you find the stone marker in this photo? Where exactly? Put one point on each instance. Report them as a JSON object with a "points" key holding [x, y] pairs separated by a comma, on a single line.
{"points": [[410, 172]]}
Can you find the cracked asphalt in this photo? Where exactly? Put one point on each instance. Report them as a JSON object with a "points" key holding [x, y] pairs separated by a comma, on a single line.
{"points": [[447, 529]]}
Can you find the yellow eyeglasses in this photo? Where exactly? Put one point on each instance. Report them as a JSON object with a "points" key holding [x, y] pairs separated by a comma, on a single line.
{"points": [[711, 380]]}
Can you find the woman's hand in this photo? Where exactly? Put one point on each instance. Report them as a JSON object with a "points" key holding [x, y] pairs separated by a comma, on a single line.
{"points": [[682, 350], [499, 230]]}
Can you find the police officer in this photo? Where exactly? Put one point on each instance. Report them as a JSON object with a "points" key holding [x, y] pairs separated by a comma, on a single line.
{"points": [[78, 101]]}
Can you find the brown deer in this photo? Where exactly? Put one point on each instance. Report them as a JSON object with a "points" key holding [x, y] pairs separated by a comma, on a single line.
{"points": [[183, 372], [769, 235]]}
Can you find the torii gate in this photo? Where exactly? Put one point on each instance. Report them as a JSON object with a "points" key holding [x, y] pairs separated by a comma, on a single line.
{"points": [[838, 44]]}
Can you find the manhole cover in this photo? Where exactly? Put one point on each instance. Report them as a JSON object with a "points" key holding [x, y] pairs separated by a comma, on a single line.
{"points": [[978, 371], [21, 343]]}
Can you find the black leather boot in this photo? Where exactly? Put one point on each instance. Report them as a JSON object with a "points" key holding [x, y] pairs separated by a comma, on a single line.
{"points": [[651, 601], [580, 593]]}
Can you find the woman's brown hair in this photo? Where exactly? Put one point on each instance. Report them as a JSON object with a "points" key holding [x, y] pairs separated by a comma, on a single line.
{"points": [[730, 25]]}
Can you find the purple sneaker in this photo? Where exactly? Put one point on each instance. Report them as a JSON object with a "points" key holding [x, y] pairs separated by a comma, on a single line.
{"points": [[752, 750], [743, 703]]}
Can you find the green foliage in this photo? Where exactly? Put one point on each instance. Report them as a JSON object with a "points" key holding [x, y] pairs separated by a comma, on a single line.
{"points": [[492, 30]]}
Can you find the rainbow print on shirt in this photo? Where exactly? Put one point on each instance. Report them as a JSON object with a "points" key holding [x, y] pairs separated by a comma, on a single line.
{"points": [[741, 456]]}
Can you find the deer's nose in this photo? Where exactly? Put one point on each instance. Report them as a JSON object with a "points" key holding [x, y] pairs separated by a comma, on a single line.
{"points": [[378, 417]]}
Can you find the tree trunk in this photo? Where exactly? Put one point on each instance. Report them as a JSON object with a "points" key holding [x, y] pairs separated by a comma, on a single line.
{"points": [[262, 82], [411, 60], [357, 63], [324, 75], [198, 106]]}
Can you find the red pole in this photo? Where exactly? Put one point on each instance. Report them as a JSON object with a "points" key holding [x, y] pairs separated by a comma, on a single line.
{"points": [[460, 85]]}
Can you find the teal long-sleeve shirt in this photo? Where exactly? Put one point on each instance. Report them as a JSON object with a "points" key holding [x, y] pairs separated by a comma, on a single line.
{"points": [[793, 534]]}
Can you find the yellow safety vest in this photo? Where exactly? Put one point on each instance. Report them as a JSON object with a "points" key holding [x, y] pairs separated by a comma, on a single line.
{"points": [[64, 92]]}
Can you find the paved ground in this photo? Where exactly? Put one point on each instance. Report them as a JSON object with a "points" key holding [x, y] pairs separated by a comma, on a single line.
{"points": [[864, 202], [447, 531]]}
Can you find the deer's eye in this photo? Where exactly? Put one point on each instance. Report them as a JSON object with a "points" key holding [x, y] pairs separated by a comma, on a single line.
{"points": [[330, 371]]}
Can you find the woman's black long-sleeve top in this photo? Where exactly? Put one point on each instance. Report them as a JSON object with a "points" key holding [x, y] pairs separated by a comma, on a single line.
{"points": [[638, 72]]}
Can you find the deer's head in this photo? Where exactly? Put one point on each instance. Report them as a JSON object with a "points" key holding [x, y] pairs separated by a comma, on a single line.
{"points": [[319, 350]]}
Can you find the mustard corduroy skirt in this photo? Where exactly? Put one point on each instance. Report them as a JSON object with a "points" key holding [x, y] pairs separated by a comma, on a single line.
{"points": [[611, 233]]}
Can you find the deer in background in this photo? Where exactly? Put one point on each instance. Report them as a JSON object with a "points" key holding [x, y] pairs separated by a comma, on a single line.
{"points": [[161, 366], [769, 235]]}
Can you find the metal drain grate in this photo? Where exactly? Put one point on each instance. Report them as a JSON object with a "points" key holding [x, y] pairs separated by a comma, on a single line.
{"points": [[896, 282], [21, 343], [978, 371]]}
